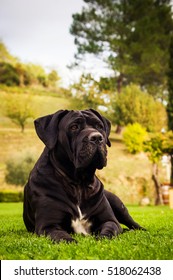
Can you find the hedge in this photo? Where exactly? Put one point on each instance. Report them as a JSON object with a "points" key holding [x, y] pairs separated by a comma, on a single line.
{"points": [[11, 196]]}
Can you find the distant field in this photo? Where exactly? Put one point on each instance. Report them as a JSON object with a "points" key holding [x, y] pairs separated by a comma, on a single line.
{"points": [[127, 175], [154, 244], [40, 104]]}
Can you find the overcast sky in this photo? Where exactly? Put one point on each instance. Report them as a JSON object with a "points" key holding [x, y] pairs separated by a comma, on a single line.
{"points": [[37, 31]]}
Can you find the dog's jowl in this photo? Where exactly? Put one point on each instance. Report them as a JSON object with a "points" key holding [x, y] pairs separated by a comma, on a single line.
{"points": [[63, 195]]}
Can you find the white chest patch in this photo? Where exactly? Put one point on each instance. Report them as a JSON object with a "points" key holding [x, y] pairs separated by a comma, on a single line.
{"points": [[81, 225]]}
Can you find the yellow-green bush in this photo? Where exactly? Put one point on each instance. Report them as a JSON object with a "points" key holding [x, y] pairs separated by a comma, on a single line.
{"points": [[134, 137]]}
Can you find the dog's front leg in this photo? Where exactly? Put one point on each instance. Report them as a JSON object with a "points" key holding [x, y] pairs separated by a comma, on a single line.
{"points": [[56, 234], [110, 229], [60, 235], [53, 223]]}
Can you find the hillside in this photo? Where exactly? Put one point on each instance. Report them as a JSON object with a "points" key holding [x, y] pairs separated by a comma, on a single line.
{"points": [[42, 102], [129, 176]]}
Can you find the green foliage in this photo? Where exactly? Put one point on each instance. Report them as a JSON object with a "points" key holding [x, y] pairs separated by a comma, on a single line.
{"points": [[154, 148], [107, 84], [134, 105], [5, 56], [155, 243], [168, 148], [53, 78], [11, 196], [18, 168], [8, 74], [133, 137], [36, 74], [86, 94], [159, 144], [18, 109], [133, 44], [167, 144], [15, 73], [23, 75], [170, 88]]}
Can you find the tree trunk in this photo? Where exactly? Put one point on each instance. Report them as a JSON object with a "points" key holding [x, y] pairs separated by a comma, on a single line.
{"points": [[171, 179], [120, 83], [157, 185], [22, 127], [119, 87]]}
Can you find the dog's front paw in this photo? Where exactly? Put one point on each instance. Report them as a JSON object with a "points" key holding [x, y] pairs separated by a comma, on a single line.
{"points": [[69, 240], [61, 235], [108, 236], [138, 228], [110, 230]]}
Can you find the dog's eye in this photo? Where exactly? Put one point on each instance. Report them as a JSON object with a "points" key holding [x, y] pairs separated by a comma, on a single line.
{"points": [[98, 126], [74, 127]]}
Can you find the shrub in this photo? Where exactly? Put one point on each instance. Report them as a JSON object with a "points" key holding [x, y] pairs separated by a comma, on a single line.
{"points": [[134, 105], [18, 169], [8, 74], [11, 196], [154, 147], [134, 137]]}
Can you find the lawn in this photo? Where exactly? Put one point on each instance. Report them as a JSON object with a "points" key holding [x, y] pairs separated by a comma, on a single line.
{"points": [[155, 243]]}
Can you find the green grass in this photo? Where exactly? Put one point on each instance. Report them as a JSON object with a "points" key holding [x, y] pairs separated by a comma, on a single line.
{"points": [[155, 243]]}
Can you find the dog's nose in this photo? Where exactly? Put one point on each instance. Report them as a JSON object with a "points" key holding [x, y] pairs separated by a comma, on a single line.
{"points": [[95, 137]]}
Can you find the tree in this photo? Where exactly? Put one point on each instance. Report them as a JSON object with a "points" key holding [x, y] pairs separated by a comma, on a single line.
{"points": [[8, 74], [53, 78], [5, 56], [170, 102], [18, 110], [36, 74], [168, 149], [134, 105], [155, 145], [136, 139], [86, 94], [13, 72], [154, 148], [24, 75], [131, 35], [107, 84], [170, 88]]}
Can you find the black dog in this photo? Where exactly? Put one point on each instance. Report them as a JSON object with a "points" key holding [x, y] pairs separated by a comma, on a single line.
{"points": [[63, 195]]}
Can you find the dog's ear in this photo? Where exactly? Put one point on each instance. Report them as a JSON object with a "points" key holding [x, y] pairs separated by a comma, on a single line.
{"points": [[106, 122], [47, 128]]}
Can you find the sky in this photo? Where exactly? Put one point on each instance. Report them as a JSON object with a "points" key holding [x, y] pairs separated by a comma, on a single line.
{"points": [[37, 31]]}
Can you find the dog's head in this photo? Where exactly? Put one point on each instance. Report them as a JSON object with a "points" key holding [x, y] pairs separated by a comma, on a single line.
{"points": [[82, 135]]}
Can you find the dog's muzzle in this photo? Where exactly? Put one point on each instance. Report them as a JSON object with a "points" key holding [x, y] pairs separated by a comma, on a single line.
{"points": [[91, 150], [96, 138]]}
